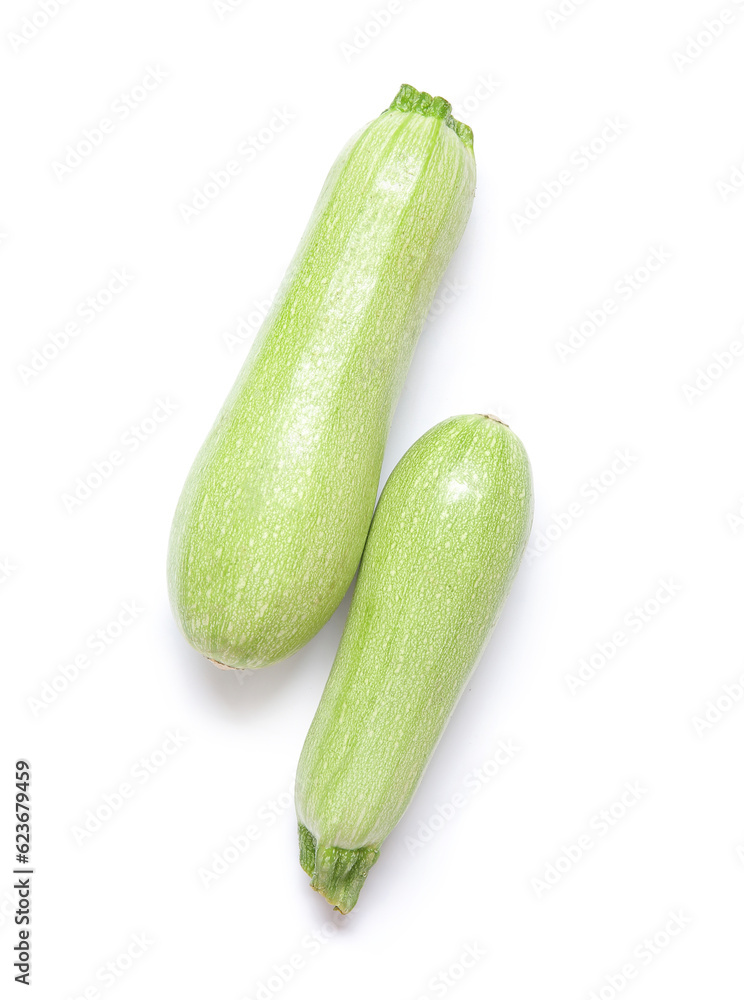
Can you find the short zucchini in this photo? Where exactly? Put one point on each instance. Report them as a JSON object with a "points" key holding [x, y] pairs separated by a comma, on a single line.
{"points": [[273, 518], [443, 549]]}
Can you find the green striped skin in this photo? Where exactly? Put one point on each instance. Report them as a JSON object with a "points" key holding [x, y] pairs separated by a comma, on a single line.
{"points": [[272, 520], [444, 546]]}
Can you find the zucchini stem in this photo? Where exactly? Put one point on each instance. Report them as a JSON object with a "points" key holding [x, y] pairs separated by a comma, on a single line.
{"points": [[409, 99], [338, 873]]}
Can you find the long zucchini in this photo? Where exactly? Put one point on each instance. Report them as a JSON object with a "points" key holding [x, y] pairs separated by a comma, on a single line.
{"points": [[273, 518]]}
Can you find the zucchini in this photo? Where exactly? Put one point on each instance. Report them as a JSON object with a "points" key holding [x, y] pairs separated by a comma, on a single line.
{"points": [[274, 514], [444, 546]]}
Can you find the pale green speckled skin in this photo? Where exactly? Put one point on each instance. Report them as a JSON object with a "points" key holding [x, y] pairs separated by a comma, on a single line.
{"points": [[445, 543], [273, 518]]}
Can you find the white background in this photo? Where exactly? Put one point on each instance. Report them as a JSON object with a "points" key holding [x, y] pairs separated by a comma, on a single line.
{"points": [[672, 515]]}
